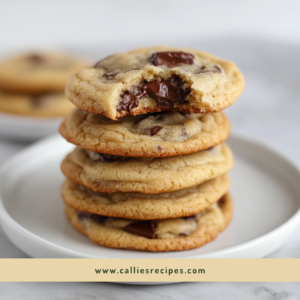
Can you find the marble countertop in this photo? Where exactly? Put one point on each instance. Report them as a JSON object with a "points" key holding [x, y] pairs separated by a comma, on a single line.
{"points": [[268, 110]]}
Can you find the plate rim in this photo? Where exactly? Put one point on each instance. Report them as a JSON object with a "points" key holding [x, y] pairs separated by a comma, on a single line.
{"points": [[7, 220], [27, 128]]}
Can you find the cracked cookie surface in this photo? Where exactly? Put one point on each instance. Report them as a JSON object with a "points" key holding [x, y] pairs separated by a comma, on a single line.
{"points": [[112, 174], [140, 206], [156, 235], [156, 79], [153, 135]]}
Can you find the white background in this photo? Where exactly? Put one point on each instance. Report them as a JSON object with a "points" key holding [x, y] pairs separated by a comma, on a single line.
{"points": [[32, 23], [262, 37]]}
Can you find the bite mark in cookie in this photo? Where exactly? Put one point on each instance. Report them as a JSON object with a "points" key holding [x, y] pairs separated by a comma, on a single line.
{"points": [[164, 92], [156, 79]]}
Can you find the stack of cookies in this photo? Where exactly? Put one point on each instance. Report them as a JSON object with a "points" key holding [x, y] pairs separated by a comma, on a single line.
{"points": [[150, 168], [33, 84]]}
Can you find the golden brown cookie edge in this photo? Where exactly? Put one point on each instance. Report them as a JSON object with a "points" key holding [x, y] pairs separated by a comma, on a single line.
{"points": [[133, 242]]}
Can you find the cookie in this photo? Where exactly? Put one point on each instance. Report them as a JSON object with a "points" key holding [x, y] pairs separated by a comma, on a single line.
{"points": [[140, 206], [156, 235], [112, 174], [153, 135], [37, 72], [40, 105], [156, 79]]}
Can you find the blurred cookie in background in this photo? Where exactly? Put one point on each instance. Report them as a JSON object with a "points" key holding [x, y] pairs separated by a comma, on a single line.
{"points": [[37, 72], [32, 100], [38, 105]]}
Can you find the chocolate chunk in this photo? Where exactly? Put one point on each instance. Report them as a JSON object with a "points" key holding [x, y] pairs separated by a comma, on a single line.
{"points": [[36, 59], [97, 218], [183, 234], [159, 148], [154, 130], [111, 158], [215, 69], [110, 76], [222, 201], [192, 217], [142, 228], [85, 215], [129, 101], [165, 93], [183, 130], [171, 59]]}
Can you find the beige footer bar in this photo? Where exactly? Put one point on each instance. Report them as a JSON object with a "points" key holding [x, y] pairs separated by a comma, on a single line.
{"points": [[149, 270]]}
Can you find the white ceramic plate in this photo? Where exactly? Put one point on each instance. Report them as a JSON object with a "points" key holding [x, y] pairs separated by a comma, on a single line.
{"points": [[27, 128], [265, 189]]}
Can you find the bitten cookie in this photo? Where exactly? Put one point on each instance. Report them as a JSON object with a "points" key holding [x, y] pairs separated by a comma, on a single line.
{"points": [[153, 135], [140, 206], [40, 105], [112, 174], [156, 235], [37, 72], [156, 79]]}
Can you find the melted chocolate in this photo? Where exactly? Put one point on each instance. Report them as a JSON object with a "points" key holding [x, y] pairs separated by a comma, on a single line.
{"points": [[172, 59], [129, 101], [183, 130], [183, 234], [165, 93], [111, 158], [154, 130], [142, 228], [215, 69], [85, 215], [221, 202], [192, 217], [110, 76]]}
